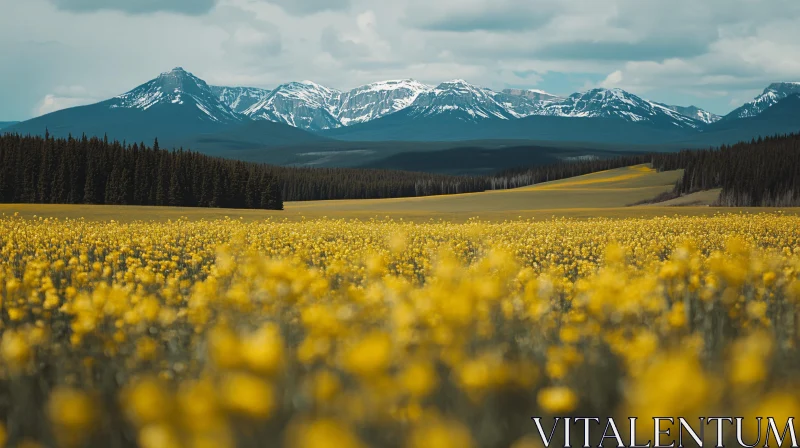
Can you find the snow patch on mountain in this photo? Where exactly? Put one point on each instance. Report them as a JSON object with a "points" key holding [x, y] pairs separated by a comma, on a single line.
{"points": [[608, 103], [461, 99], [534, 94], [376, 100], [240, 98], [774, 93], [695, 113], [177, 88], [314, 107], [306, 105]]}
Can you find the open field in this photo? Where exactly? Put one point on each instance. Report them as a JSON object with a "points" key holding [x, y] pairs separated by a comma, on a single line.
{"points": [[323, 333], [706, 197], [603, 194], [122, 330]]}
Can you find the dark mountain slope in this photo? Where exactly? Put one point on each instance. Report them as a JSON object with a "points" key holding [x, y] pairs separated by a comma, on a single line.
{"points": [[401, 126]]}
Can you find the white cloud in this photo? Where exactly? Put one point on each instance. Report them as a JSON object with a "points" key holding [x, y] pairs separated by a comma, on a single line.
{"points": [[137, 6], [53, 102], [715, 49]]}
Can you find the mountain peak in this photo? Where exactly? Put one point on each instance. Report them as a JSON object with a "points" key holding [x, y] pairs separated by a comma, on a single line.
{"points": [[783, 87], [694, 112], [620, 104], [783, 83], [174, 89], [178, 72], [461, 99], [180, 79], [774, 93], [534, 97], [304, 104], [457, 81], [393, 84], [378, 99], [614, 91]]}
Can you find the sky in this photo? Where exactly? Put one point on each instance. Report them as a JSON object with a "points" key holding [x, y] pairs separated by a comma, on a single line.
{"points": [[715, 54]]}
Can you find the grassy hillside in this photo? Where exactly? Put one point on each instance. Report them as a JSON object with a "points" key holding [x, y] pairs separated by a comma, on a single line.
{"points": [[603, 194]]}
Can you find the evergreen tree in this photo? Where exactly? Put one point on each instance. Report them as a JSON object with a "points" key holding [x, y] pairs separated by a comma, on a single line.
{"points": [[175, 197]]}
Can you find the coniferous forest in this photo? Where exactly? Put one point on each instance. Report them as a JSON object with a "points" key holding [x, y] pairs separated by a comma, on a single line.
{"points": [[308, 184], [95, 171], [763, 172], [759, 173]]}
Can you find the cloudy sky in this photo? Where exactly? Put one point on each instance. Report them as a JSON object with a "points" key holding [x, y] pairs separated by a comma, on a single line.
{"points": [[715, 54]]}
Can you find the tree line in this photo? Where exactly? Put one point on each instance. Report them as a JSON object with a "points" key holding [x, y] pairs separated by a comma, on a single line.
{"points": [[763, 172], [309, 184], [96, 171], [36, 169], [759, 173], [525, 176]]}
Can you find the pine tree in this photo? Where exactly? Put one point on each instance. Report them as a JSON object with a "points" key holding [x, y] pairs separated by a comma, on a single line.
{"points": [[175, 197], [90, 195], [162, 183]]}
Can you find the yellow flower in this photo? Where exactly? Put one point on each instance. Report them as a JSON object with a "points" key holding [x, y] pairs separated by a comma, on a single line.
{"points": [[369, 356], [757, 310], [322, 434], [440, 434], [72, 413], [262, 350], [159, 435], [147, 401], [419, 378], [198, 403], [325, 386], [15, 349], [223, 345], [247, 395], [146, 349], [557, 400], [528, 441]]}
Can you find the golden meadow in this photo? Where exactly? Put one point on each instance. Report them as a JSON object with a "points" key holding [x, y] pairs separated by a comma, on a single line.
{"points": [[333, 333]]}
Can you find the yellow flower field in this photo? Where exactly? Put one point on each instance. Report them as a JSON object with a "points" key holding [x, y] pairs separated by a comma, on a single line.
{"points": [[332, 333]]}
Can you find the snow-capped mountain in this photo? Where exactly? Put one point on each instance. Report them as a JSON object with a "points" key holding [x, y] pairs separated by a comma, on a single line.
{"points": [[177, 89], [771, 95], [461, 99], [534, 94], [609, 103], [695, 112], [240, 98], [310, 106], [181, 109], [305, 105], [524, 103], [378, 99]]}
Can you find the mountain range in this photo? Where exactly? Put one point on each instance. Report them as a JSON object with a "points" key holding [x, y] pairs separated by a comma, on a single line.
{"points": [[181, 109]]}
